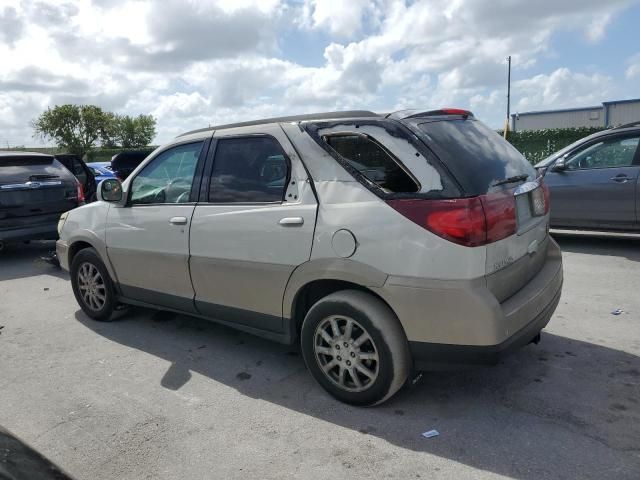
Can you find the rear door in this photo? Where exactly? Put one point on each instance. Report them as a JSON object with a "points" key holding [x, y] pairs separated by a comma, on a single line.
{"points": [[598, 187], [34, 190], [148, 239], [253, 227]]}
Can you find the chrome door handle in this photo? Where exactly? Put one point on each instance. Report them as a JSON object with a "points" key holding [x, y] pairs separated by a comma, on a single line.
{"points": [[291, 221], [178, 220], [620, 178]]}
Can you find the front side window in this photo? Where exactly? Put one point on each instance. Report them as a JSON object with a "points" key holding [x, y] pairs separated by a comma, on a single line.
{"points": [[169, 176], [372, 161], [248, 170], [616, 152]]}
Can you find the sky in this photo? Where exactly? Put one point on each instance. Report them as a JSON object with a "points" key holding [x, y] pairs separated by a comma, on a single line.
{"points": [[194, 63]]}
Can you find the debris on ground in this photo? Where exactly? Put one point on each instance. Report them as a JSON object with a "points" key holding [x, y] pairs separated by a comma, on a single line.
{"points": [[431, 434], [46, 289], [617, 311], [1, 327]]}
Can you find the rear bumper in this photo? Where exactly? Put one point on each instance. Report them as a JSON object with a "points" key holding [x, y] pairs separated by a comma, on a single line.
{"points": [[45, 231], [437, 356], [451, 324]]}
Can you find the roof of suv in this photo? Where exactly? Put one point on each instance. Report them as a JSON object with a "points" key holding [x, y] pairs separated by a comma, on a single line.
{"points": [[292, 118], [19, 153]]}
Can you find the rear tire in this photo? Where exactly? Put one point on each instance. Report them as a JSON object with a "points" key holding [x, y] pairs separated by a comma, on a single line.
{"points": [[92, 285], [355, 347]]}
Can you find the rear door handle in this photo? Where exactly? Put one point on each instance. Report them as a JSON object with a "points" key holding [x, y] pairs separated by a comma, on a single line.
{"points": [[622, 178], [291, 221], [178, 220]]}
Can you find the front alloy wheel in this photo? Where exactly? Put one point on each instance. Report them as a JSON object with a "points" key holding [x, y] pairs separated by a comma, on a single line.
{"points": [[91, 286]]}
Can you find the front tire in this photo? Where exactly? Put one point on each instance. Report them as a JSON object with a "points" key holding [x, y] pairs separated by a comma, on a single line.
{"points": [[92, 285], [355, 347]]}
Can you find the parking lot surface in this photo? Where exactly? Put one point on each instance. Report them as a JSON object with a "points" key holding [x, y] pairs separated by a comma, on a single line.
{"points": [[161, 396]]}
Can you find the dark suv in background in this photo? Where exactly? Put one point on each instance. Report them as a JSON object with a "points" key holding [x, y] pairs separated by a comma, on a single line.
{"points": [[35, 189]]}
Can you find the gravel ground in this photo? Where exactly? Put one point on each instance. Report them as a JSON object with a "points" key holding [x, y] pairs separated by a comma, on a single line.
{"points": [[162, 396]]}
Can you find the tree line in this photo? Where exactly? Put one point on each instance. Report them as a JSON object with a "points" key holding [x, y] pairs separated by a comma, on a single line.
{"points": [[81, 128]]}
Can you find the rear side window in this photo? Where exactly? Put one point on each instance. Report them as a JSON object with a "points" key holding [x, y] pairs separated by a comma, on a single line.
{"points": [[476, 155], [248, 170], [373, 161]]}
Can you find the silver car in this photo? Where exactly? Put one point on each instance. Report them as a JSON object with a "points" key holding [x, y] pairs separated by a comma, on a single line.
{"points": [[381, 244]]}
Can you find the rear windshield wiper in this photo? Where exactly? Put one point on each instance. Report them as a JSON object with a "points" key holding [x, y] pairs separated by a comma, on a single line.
{"points": [[514, 179]]}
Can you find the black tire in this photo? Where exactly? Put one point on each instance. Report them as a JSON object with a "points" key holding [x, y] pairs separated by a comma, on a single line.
{"points": [[103, 312], [388, 344]]}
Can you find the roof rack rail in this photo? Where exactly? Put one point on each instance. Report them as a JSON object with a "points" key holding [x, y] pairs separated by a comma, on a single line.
{"points": [[627, 125], [292, 118]]}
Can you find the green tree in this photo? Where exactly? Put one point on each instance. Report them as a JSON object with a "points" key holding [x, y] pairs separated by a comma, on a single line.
{"points": [[134, 132], [76, 128]]}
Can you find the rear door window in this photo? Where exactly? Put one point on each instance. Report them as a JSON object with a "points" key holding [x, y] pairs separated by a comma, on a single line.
{"points": [[373, 161], [248, 170], [477, 156]]}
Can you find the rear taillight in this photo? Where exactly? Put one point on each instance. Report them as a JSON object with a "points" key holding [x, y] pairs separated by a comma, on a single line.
{"points": [[547, 197], [471, 222], [80, 192]]}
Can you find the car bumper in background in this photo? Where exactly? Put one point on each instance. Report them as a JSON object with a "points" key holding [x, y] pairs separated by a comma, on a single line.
{"points": [[46, 231]]}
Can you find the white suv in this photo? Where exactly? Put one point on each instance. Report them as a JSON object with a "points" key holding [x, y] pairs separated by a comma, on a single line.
{"points": [[381, 244]]}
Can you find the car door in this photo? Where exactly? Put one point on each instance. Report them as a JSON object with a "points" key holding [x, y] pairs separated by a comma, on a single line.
{"points": [[148, 239], [597, 187], [253, 227]]}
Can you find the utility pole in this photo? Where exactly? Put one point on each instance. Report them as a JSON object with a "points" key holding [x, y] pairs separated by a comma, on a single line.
{"points": [[506, 126]]}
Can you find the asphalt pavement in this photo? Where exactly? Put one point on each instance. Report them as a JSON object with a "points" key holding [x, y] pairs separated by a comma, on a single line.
{"points": [[161, 396]]}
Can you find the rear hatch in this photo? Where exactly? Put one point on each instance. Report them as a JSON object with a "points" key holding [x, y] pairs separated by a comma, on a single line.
{"points": [[34, 189], [515, 203]]}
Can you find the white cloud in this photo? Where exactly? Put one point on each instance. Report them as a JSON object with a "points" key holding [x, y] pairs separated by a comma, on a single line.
{"points": [[195, 62], [633, 70]]}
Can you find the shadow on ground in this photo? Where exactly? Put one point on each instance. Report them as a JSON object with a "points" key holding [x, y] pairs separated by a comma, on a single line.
{"points": [[22, 260], [622, 245], [561, 409]]}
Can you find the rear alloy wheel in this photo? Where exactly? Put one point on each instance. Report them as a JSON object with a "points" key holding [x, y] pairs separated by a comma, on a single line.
{"points": [[355, 347], [92, 285], [346, 353]]}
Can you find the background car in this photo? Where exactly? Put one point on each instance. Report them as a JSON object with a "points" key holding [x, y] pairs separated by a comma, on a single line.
{"points": [[126, 162], [35, 189], [101, 170], [594, 181]]}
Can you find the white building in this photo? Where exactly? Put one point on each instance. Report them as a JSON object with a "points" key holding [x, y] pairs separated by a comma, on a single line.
{"points": [[609, 114]]}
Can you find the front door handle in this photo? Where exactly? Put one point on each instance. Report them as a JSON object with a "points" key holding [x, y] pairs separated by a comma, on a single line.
{"points": [[622, 178], [291, 221], [178, 220]]}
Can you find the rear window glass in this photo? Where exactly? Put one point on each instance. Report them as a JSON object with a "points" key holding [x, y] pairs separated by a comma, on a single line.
{"points": [[24, 161], [476, 155], [372, 161]]}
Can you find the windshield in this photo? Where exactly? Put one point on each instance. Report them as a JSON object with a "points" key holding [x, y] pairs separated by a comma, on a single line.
{"points": [[477, 156]]}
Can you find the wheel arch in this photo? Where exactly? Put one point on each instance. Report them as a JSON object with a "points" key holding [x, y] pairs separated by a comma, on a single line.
{"points": [[316, 279]]}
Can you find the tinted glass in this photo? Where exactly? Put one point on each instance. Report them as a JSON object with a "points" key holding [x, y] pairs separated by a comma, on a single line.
{"points": [[372, 161], [24, 161], [476, 155], [616, 152], [250, 169], [168, 178]]}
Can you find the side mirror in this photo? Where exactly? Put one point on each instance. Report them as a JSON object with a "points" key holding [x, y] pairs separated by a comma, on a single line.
{"points": [[110, 190], [559, 166]]}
